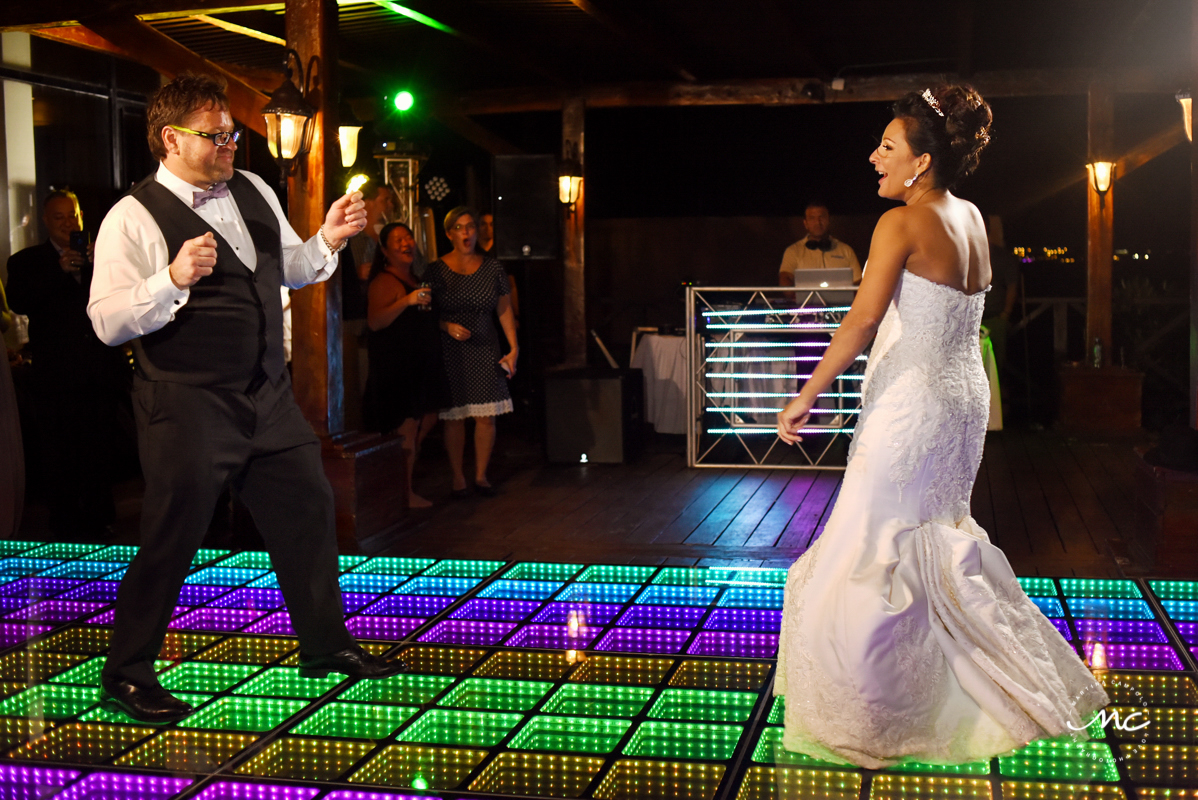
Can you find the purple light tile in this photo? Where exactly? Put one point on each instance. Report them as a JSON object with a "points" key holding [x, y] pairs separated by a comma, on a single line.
{"points": [[109, 616], [352, 602], [584, 613], [1188, 631], [462, 631], [39, 588], [737, 645], [55, 611], [1131, 656], [15, 632], [13, 603], [216, 619], [198, 594], [1120, 630], [261, 599], [553, 637], [496, 610], [114, 786], [94, 592], [228, 790], [32, 783], [661, 617], [643, 640], [384, 628], [408, 605], [354, 794], [751, 620], [278, 624], [1062, 627]]}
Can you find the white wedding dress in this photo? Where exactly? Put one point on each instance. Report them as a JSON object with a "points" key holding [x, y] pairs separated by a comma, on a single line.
{"points": [[905, 634]]}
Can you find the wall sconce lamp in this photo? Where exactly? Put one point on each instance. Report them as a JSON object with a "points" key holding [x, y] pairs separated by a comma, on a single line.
{"points": [[569, 176], [289, 119], [1101, 175], [1187, 114], [347, 135]]}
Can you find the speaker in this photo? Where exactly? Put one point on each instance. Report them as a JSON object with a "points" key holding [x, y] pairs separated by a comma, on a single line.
{"points": [[526, 207], [596, 413]]}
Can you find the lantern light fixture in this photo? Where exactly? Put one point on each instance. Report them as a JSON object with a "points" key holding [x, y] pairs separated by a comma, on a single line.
{"points": [[1102, 173], [347, 135], [289, 119], [1187, 113], [569, 176]]}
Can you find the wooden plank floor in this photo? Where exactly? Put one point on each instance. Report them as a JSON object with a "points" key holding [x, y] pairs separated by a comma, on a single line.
{"points": [[1052, 503]]}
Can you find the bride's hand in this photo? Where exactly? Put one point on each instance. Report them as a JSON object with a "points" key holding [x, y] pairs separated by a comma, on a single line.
{"points": [[791, 420]]}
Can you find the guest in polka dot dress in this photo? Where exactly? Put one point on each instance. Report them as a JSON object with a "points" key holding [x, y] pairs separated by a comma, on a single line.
{"points": [[467, 288]]}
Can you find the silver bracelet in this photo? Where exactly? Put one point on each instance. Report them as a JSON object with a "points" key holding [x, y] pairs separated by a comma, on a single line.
{"points": [[325, 239]]}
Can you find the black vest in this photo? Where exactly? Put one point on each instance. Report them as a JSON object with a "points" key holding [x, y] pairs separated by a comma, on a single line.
{"points": [[232, 323]]}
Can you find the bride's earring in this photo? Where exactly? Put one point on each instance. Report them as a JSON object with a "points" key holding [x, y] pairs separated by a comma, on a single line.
{"points": [[911, 180]]}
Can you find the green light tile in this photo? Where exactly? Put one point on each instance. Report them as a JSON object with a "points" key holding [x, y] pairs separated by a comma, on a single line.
{"points": [[1025, 790], [81, 743], [538, 775], [116, 552], [101, 714], [62, 550], [12, 547], [496, 695], [19, 730], [769, 750], [374, 648], [248, 650], [29, 666], [287, 682], [761, 577], [50, 700], [630, 779], [206, 555], [1154, 690], [916, 787], [777, 711], [525, 665], [247, 559], [86, 674], [1174, 725], [704, 706], [1162, 764], [456, 568], [610, 573], [398, 690], [187, 751], [1038, 587], [1161, 793], [243, 714], [1175, 590], [471, 728], [305, 759], [78, 639], [178, 646], [541, 571], [346, 563], [598, 701], [738, 675], [770, 783], [440, 660], [196, 676], [356, 721], [631, 670], [394, 566], [681, 576], [1061, 760], [571, 734], [1090, 587], [972, 768], [684, 740], [420, 768]]}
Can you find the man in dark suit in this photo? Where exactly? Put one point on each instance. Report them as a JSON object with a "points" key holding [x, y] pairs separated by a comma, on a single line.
{"points": [[78, 381], [189, 267]]}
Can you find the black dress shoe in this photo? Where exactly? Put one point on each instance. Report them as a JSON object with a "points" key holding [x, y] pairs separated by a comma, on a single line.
{"points": [[352, 661], [484, 491], [460, 494], [143, 703]]}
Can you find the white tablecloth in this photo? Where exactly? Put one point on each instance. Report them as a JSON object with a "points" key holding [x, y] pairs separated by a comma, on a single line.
{"points": [[662, 360]]}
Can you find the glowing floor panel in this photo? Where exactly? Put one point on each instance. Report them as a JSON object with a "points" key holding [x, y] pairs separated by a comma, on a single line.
{"points": [[532, 680]]}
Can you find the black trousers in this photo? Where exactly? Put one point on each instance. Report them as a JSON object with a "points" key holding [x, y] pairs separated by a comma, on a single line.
{"points": [[193, 442]]}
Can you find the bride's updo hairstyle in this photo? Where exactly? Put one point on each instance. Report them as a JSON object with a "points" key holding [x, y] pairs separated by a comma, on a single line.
{"points": [[949, 123]]}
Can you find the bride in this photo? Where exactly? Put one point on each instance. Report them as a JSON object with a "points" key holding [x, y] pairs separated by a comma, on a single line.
{"points": [[905, 634]]}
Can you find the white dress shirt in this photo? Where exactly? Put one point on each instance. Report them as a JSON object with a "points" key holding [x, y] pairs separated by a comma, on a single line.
{"points": [[798, 257], [132, 293]]}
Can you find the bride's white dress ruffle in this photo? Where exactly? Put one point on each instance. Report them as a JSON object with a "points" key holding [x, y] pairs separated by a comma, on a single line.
{"points": [[905, 634]]}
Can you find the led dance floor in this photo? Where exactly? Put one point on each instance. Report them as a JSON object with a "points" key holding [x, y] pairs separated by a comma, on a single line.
{"points": [[529, 680]]}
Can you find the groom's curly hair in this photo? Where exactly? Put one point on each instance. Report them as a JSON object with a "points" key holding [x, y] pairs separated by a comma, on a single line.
{"points": [[174, 102]]}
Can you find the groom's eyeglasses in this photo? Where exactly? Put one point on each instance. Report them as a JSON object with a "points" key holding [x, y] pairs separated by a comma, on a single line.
{"points": [[220, 138]]}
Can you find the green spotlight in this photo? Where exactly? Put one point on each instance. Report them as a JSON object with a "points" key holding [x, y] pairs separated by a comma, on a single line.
{"points": [[404, 100]]}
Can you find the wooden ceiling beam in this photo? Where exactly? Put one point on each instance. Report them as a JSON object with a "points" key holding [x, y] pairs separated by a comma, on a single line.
{"points": [[789, 91], [631, 30], [471, 131], [163, 54], [55, 13]]}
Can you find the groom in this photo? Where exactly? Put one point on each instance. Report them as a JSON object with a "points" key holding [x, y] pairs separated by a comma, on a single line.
{"points": [[188, 267]]}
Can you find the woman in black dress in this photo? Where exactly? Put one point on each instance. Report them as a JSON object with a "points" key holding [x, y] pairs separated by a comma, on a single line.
{"points": [[406, 386], [469, 287]]}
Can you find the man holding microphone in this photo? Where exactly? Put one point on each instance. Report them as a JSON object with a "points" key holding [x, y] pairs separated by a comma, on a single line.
{"points": [[189, 267]]}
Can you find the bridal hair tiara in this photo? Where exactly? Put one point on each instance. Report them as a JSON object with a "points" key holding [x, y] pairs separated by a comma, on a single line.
{"points": [[931, 100]]}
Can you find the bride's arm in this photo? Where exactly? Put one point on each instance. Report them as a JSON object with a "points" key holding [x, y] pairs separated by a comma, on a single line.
{"points": [[888, 253]]}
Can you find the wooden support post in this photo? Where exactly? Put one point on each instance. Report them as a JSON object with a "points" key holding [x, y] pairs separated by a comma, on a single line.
{"points": [[316, 309], [574, 250], [1100, 216]]}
